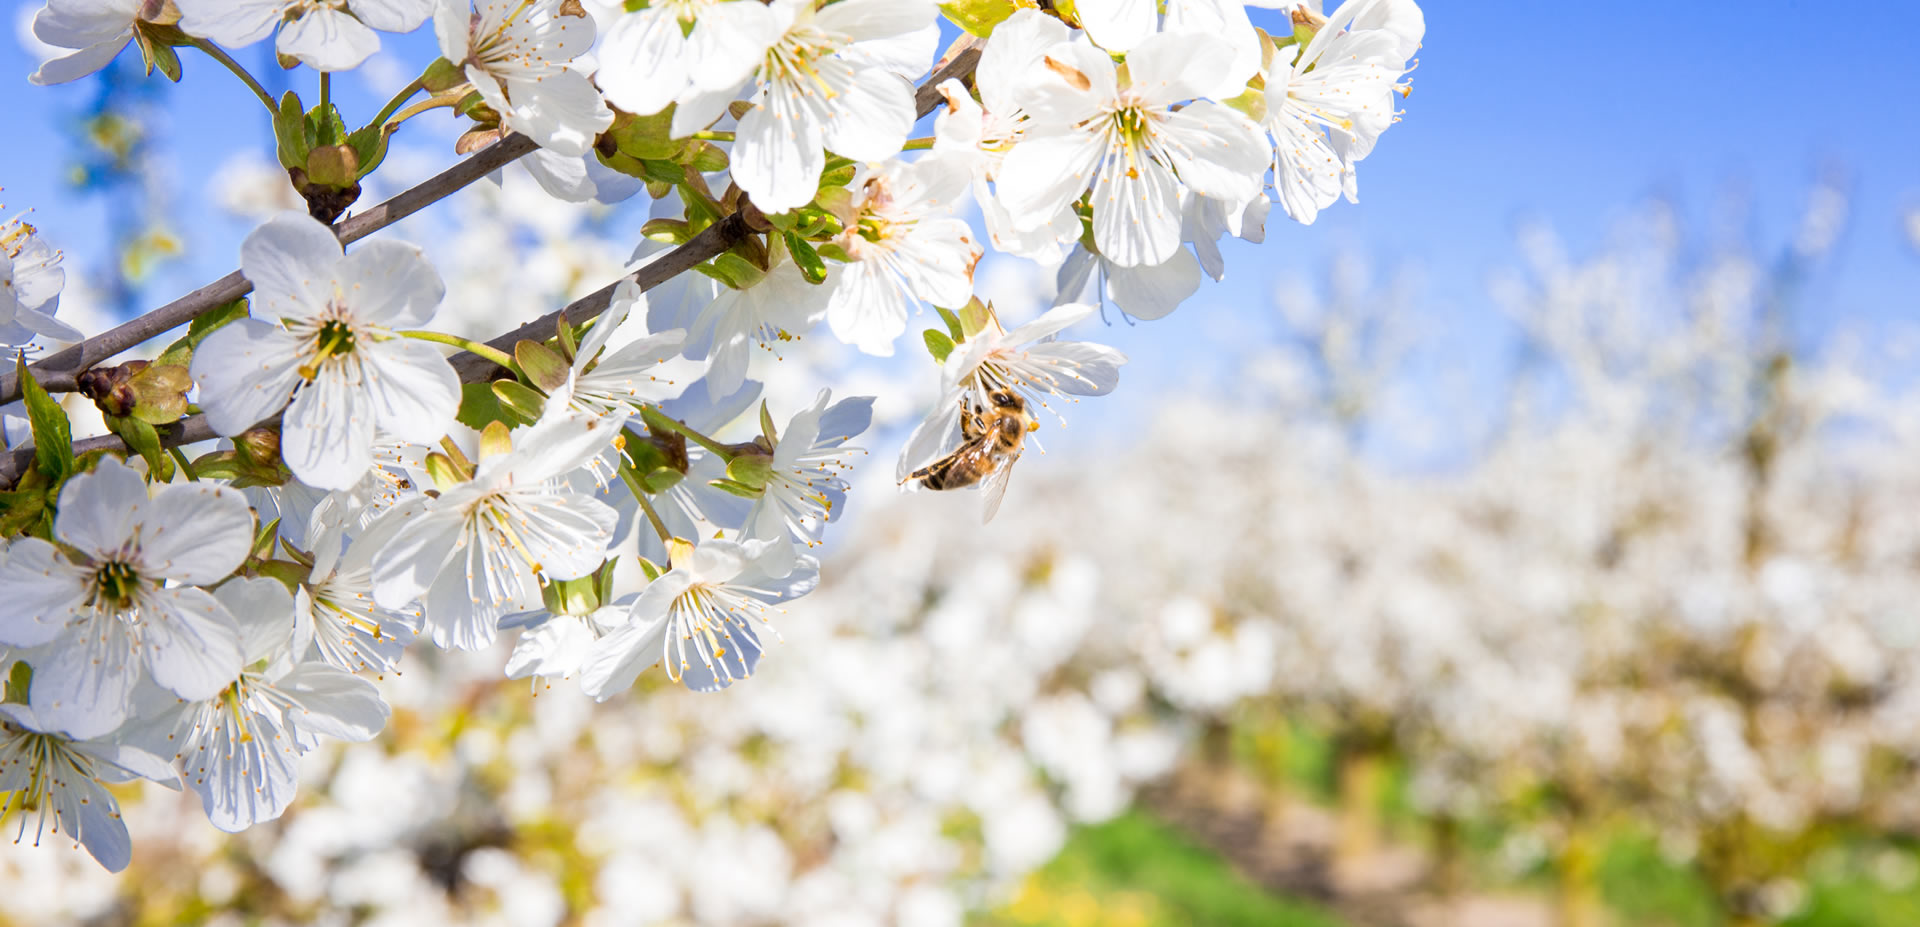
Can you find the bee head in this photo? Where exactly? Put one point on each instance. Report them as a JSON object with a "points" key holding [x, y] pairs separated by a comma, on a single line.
{"points": [[1006, 399]]}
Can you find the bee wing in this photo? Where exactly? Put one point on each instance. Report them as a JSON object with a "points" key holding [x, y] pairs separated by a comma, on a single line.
{"points": [[993, 489]]}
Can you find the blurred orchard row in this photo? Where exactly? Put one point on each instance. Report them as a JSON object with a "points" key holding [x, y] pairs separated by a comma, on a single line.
{"points": [[1669, 595]]}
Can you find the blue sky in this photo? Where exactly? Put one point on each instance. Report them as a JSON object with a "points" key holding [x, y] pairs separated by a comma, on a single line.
{"points": [[1554, 111]]}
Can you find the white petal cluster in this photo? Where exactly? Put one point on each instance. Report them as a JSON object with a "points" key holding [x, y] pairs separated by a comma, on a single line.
{"points": [[326, 35], [516, 54]]}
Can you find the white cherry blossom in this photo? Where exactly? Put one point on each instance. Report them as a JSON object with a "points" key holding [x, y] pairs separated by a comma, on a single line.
{"points": [[349, 629], [516, 53], [238, 750], [653, 56], [326, 35], [1327, 107], [30, 282], [805, 488], [701, 619], [1139, 154], [819, 88], [483, 546], [96, 30], [616, 381], [43, 772], [129, 606], [1029, 360], [322, 334], [906, 245]]}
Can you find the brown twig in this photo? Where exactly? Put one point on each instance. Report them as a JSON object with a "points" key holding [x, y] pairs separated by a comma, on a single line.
{"points": [[59, 372], [471, 367]]}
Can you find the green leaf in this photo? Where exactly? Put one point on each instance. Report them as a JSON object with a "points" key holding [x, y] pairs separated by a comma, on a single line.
{"points": [[52, 434], [478, 406], [475, 106], [542, 365], [180, 353], [670, 231], [647, 566], [563, 332], [766, 425], [160, 393], [325, 127], [143, 439], [805, 258], [290, 132], [662, 171], [706, 158], [938, 344], [369, 144], [519, 401], [20, 508]]}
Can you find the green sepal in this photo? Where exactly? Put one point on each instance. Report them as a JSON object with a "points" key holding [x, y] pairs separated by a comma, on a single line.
{"points": [[542, 365], [563, 333], [443, 471], [19, 682], [155, 52], [292, 575], [521, 401], [660, 479], [495, 440], [263, 541], [52, 433], [954, 329], [974, 317], [647, 566], [978, 16], [739, 489], [474, 106], [751, 471], [603, 580], [160, 393], [766, 426], [571, 596], [938, 344], [441, 76], [670, 231], [733, 270], [646, 137], [805, 258]]}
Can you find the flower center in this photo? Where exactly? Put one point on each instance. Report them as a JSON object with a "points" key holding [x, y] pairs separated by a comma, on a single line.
{"points": [[334, 340], [115, 584]]}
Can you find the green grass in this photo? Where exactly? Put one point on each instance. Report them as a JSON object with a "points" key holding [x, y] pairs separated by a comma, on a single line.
{"points": [[1134, 871]]}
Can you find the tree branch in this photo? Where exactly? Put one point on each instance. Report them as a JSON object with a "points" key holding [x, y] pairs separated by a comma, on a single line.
{"points": [[59, 372], [471, 367]]}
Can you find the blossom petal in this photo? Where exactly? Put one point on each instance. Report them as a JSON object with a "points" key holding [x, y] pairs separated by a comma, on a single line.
{"points": [[290, 262], [196, 533], [100, 511], [43, 592], [412, 391], [247, 371], [326, 438], [389, 283], [192, 643], [333, 703]]}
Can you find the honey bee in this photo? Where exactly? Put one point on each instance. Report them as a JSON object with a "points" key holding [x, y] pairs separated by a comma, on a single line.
{"points": [[991, 440]]}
